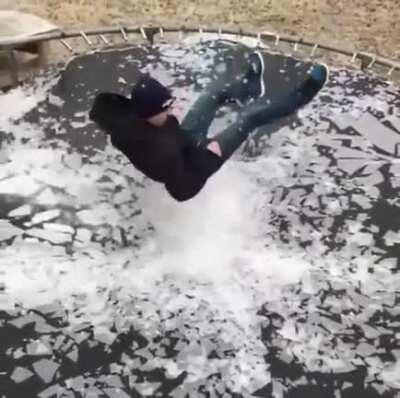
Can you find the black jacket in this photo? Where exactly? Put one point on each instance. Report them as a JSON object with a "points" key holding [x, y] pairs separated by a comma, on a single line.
{"points": [[165, 154]]}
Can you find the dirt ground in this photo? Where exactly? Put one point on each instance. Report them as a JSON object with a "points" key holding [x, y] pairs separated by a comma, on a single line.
{"points": [[368, 25]]}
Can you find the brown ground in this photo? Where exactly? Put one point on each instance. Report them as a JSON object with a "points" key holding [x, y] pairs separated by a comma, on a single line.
{"points": [[369, 25]]}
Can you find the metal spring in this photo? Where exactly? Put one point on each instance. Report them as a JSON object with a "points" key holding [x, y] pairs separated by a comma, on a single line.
{"points": [[66, 45], [373, 60], [83, 34], [258, 42], [143, 32], [122, 30], [104, 39], [314, 50], [201, 33]]}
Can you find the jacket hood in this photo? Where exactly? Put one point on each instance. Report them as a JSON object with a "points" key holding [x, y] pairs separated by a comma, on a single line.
{"points": [[113, 113]]}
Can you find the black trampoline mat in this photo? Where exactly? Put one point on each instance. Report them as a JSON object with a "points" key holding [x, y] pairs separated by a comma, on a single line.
{"points": [[87, 308]]}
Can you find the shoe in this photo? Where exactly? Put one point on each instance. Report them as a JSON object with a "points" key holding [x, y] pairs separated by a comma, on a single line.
{"points": [[316, 79], [255, 74], [244, 88]]}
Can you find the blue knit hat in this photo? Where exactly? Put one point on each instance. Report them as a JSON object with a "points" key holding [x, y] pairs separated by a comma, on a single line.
{"points": [[149, 97]]}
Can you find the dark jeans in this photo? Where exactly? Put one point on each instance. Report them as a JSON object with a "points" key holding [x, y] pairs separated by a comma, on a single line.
{"points": [[257, 113]]}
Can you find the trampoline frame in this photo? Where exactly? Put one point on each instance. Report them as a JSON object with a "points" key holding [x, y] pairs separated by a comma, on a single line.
{"points": [[148, 33]]}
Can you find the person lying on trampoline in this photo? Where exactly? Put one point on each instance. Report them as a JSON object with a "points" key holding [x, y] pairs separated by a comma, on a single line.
{"points": [[181, 156]]}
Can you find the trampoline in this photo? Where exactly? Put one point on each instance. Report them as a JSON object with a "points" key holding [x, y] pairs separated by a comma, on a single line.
{"points": [[280, 279]]}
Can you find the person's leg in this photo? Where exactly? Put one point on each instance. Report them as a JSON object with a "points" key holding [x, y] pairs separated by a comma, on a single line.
{"points": [[249, 85], [260, 113]]}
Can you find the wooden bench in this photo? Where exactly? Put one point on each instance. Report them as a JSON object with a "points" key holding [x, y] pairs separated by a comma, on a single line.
{"points": [[16, 26]]}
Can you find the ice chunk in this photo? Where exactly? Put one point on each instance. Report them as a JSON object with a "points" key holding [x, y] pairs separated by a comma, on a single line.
{"points": [[73, 355], [73, 161], [59, 228], [20, 211], [37, 348], [52, 391], [363, 239], [19, 185], [386, 140], [392, 237], [289, 331], [26, 319], [104, 335], [83, 235], [391, 376], [99, 215], [8, 231], [350, 153], [365, 349], [46, 369], [116, 393], [77, 383], [49, 235], [146, 388], [124, 196], [47, 197], [54, 100], [45, 216], [21, 374], [363, 201]]}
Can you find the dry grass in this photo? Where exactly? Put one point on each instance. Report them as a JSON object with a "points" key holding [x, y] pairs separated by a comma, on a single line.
{"points": [[371, 25]]}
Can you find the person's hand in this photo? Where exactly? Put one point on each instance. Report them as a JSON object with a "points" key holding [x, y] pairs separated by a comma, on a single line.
{"points": [[214, 147]]}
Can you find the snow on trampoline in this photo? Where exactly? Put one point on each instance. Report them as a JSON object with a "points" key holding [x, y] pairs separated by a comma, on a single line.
{"points": [[280, 275]]}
